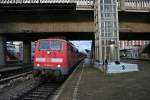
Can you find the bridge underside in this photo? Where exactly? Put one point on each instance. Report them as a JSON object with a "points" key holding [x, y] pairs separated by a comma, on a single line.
{"points": [[75, 25], [134, 25], [73, 36], [134, 36], [36, 36]]}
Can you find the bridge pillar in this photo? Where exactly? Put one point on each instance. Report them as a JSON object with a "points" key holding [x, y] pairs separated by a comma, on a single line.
{"points": [[122, 5], [26, 52], [92, 49], [2, 50]]}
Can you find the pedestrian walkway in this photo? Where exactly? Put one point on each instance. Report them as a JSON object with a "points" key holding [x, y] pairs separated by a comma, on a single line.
{"points": [[83, 84], [89, 83]]}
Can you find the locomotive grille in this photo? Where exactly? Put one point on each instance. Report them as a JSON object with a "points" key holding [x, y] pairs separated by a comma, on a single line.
{"points": [[59, 60], [55, 60], [40, 59]]}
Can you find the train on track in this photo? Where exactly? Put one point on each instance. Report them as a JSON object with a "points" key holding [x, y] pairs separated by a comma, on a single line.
{"points": [[55, 58]]}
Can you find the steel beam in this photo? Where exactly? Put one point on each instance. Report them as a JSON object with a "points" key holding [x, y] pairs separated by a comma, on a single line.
{"points": [[27, 52], [2, 50]]}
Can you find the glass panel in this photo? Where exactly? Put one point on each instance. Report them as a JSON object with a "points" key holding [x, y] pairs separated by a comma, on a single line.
{"points": [[107, 1], [107, 8], [50, 45], [44, 45]]}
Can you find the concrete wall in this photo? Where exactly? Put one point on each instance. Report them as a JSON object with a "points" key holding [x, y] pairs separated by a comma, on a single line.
{"points": [[68, 27], [47, 21], [67, 21], [23, 27], [134, 27]]}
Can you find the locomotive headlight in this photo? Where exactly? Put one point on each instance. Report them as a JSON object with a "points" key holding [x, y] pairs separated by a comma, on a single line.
{"points": [[58, 66], [38, 65], [48, 52]]}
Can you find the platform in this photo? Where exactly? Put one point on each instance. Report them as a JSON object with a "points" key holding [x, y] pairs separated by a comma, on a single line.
{"points": [[113, 68], [89, 83]]}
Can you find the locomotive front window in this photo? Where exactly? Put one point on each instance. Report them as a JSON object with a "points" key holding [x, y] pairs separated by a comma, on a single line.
{"points": [[50, 45]]}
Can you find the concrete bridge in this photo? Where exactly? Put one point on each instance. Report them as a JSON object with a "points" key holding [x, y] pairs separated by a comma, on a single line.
{"points": [[123, 5], [28, 20], [72, 16]]}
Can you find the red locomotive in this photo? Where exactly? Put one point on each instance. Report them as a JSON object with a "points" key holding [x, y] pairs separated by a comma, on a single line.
{"points": [[55, 58]]}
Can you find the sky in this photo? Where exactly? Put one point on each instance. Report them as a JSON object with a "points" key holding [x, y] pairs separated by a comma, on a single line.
{"points": [[82, 45]]}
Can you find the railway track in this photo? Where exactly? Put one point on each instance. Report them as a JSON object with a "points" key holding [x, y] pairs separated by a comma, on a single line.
{"points": [[8, 75], [10, 71], [4, 80], [132, 60], [40, 92], [136, 59]]}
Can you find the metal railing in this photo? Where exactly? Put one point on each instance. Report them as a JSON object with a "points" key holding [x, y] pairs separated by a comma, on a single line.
{"points": [[134, 4], [86, 4], [34, 1], [80, 4]]}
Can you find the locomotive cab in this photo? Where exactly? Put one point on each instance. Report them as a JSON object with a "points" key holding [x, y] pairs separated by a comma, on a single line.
{"points": [[50, 57], [55, 58]]}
